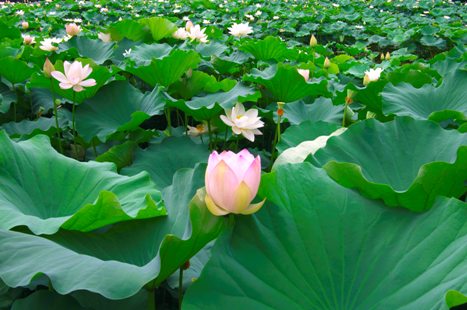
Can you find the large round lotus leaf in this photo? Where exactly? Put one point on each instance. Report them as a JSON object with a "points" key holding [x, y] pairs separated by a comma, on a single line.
{"points": [[449, 100], [168, 69], [161, 160], [270, 48], [44, 299], [15, 70], [44, 190], [286, 84], [405, 162], [117, 262], [118, 106], [320, 109], [95, 49], [7, 96], [317, 245], [211, 105]]}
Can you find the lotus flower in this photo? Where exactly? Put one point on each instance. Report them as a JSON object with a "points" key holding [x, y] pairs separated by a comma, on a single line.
{"points": [[74, 77], [196, 33], [25, 25], [72, 29], [180, 34], [313, 41], [243, 122], [232, 181], [372, 75], [47, 44], [240, 30], [104, 37], [305, 73], [28, 40]]}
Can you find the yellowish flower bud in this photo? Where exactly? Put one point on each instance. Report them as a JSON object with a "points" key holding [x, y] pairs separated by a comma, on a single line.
{"points": [[327, 63], [313, 41], [48, 68], [388, 56]]}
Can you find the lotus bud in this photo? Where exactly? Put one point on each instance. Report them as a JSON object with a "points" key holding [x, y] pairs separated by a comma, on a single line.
{"points": [[232, 181], [388, 56], [381, 56], [72, 29], [188, 25], [327, 63], [25, 25], [48, 68], [313, 41], [349, 97]]}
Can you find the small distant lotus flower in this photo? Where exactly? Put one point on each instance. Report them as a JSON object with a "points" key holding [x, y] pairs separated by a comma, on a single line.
{"points": [[48, 44], [197, 131], [20, 13], [104, 10], [305, 73], [25, 25], [240, 30], [180, 34], [104, 37], [372, 75], [74, 77], [127, 52], [243, 122], [313, 41], [28, 40], [72, 29], [232, 181], [196, 33], [327, 63]]}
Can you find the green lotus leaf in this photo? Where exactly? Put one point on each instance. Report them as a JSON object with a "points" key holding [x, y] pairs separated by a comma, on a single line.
{"points": [[97, 50], [211, 49], [429, 102], [45, 191], [121, 155], [27, 128], [208, 106], [118, 262], [405, 162], [455, 298], [305, 131], [201, 82], [129, 29], [320, 109], [162, 159], [43, 299], [286, 84], [168, 69], [317, 245], [15, 70], [7, 97], [159, 27], [143, 54], [269, 48], [118, 106]]}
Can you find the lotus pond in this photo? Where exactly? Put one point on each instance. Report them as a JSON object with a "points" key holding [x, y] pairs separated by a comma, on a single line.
{"points": [[245, 154]]}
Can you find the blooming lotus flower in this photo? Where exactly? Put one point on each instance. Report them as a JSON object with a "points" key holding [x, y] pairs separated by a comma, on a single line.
{"points": [[72, 29], [243, 122], [196, 33], [47, 44], [74, 77], [372, 75], [199, 130], [104, 37], [240, 30], [28, 40], [180, 34], [232, 181], [305, 73]]}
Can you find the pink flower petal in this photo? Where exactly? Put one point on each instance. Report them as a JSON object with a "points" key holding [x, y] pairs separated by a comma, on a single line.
{"points": [[88, 83], [66, 67], [59, 76], [65, 85], [220, 184], [252, 176]]}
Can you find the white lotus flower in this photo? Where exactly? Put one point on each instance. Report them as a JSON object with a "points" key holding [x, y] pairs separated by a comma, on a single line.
{"points": [[74, 77], [243, 122], [372, 75], [199, 130], [48, 44], [28, 40], [196, 33], [127, 52], [305, 73], [104, 37], [180, 34], [240, 30]]}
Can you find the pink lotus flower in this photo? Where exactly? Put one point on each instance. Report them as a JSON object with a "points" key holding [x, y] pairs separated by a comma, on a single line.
{"points": [[232, 181], [74, 77], [305, 73], [72, 29]]}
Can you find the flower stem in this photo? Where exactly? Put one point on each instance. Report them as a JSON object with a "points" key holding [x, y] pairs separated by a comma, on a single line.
{"points": [[343, 117], [16, 102], [73, 125], [169, 120], [57, 125], [277, 134], [151, 300], [210, 136], [180, 288]]}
